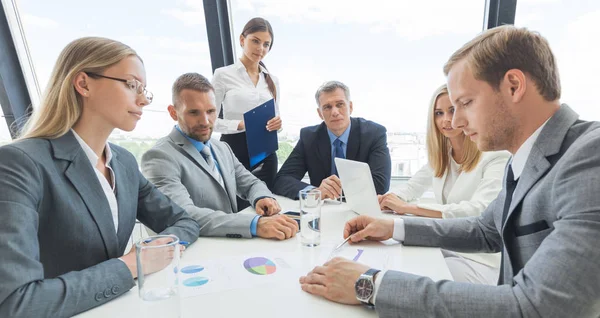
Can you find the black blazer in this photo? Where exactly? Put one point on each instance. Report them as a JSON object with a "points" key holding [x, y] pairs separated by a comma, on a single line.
{"points": [[367, 143]]}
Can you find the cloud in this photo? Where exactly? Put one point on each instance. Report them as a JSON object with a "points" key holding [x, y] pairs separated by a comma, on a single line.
{"points": [[576, 52], [170, 44], [409, 19], [192, 13], [189, 18], [40, 22]]}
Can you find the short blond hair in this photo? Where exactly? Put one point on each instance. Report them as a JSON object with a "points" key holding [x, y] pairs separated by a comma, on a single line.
{"points": [[495, 51], [438, 145]]}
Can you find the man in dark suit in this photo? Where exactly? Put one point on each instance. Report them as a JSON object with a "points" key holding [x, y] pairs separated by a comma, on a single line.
{"points": [[339, 135]]}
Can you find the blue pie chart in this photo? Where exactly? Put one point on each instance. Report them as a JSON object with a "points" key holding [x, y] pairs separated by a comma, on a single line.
{"points": [[192, 269], [195, 281]]}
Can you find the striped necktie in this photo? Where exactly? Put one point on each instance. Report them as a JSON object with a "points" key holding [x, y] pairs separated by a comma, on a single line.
{"points": [[210, 160]]}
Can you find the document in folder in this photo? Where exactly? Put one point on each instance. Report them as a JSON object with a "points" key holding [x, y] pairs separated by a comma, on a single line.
{"points": [[261, 142]]}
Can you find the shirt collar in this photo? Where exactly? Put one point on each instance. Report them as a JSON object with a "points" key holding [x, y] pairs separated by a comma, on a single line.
{"points": [[241, 67], [90, 154], [343, 137], [519, 159], [197, 144]]}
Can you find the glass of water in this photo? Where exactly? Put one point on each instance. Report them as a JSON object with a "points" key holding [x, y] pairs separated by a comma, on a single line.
{"points": [[158, 270], [310, 217]]}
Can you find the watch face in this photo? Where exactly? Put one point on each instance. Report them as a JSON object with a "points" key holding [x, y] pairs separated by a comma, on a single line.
{"points": [[364, 289]]}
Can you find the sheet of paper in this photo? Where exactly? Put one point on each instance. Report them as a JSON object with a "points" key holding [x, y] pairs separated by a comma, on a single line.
{"points": [[373, 254], [210, 276]]}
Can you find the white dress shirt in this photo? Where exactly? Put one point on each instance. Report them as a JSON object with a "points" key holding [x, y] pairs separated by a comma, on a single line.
{"points": [[517, 162], [235, 92], [108, 189], [519, 159]]}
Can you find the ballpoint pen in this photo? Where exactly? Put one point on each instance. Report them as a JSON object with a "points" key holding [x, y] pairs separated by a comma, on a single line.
{"points": [[342, 244], [337, 248]]}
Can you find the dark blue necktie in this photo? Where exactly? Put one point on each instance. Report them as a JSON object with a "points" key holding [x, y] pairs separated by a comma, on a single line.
{"points": [[510, 186], [338, 152]]}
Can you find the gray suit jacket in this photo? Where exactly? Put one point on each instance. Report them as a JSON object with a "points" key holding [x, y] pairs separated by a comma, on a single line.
{"points": [[58, 243], [551, 235], [176, 167]]}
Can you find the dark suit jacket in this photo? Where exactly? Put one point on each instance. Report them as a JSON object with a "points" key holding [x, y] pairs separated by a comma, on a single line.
{"points": [[58, 245], [367, 143]]}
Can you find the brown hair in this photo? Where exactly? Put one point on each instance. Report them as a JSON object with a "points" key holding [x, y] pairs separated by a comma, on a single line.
{"points": [[262, 25], [438, 145], [193, 81], [495, 51]]}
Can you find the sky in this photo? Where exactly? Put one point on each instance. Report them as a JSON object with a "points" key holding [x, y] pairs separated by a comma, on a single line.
{"points": [[389, 53]]}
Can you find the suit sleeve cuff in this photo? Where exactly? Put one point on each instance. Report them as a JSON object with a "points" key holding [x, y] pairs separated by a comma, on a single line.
{"points": [[378, 280], [399, 233], [260, 198], [254, 225], [308, 187]]}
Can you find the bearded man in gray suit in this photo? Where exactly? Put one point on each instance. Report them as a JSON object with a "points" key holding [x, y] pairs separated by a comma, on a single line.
{"points": [[203, 176], [505, 87]]}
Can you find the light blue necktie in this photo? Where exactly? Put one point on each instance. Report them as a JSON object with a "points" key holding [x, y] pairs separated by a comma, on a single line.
{"points": [[210, 160]]}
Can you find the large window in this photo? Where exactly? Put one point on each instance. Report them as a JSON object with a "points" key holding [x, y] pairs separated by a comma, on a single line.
{"points": [[170, 36], [572, 29], [389, 53], [4, 132]]}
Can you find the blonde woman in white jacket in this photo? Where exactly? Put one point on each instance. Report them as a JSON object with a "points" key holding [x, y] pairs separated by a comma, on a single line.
{"points": [[464, 181]]}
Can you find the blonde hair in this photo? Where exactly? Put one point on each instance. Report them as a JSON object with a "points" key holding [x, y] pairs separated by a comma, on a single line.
{"points": [[495, 51], [438, 145], [61, 104]]}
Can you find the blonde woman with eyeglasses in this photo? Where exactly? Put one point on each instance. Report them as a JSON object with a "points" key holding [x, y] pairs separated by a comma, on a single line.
{"points": [[464, 182], [69, 199]]}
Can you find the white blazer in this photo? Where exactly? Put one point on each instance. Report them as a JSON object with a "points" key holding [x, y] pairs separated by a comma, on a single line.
{"points": [[470, 195]]}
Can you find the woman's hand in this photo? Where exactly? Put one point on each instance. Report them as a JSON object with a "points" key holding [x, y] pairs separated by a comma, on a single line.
{"points": [[390, 201], [274, 123]]}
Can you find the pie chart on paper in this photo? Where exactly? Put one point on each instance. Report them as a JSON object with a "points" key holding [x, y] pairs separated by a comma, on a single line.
{"points": [[260, 266], [195, 281]]}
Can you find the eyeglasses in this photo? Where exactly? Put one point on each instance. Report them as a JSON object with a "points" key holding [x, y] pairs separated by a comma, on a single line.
{"points": [[133, 84]]}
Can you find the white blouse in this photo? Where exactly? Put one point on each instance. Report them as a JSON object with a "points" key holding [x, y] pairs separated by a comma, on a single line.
{"points": [[236, 93], [468, 195], [107, 188], [451, 177]]}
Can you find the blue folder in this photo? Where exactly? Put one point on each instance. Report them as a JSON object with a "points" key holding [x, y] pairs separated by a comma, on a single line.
{"points": [[261, 142]]}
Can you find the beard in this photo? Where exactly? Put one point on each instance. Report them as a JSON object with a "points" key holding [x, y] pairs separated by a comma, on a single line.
{"points": [[502, 130], [191, 132]]}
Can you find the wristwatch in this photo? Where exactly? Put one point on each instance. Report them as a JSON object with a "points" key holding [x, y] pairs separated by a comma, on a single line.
{"points": [[365, 287]]}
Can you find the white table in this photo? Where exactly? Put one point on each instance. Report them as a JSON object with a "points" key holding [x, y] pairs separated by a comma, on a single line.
{"points": [[285, 300]]}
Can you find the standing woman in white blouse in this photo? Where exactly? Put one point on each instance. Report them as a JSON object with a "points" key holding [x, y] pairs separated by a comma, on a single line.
{"points": [[242, 86], [464, 181]]}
